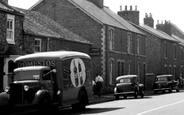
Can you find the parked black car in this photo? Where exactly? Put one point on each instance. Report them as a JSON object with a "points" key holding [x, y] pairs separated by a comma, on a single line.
{"points": [[165, 82], [128, 85]]}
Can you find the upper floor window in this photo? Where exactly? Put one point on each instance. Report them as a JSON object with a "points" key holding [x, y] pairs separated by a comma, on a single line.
{"points": [[37, 45], [111, 39], [10, 29], [138, 44], [165, 50], [129, 37], [181, 53], [175, 51]]}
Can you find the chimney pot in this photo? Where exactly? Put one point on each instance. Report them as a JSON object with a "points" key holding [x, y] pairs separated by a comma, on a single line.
{"points": [[150, 15], [125, 7], [157, 21], [120, 8], [146, 15], [130, 7], [136, 8]]}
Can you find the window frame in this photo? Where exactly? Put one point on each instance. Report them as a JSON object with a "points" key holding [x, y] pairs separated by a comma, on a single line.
{"points": [[39, 45], [10, 28]]}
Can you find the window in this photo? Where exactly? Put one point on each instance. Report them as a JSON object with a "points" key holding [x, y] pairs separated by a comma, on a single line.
{"points": [[129, 68], [111, 38], [165, 50], [129, 37], [111, 72], [122, 68], [138, 44], [175, 52], [10, 29], [181, 53], [37, 45], [119, 68], [165, 69], [170, 69]]}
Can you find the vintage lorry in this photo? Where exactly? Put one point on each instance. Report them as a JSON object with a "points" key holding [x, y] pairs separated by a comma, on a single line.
{"points": [[50, 79]]}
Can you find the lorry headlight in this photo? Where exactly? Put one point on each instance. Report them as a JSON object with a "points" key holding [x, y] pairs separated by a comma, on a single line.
{"points": [[26, 88]]}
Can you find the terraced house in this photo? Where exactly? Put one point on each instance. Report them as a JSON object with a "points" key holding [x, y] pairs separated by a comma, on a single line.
{"points": [[118, 47], [32, 33], [11, 26], [164, 54]]}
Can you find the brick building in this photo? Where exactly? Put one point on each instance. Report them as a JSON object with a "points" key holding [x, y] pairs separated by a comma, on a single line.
{"points": [[11, 26], [164, 54], [32, 32], [121, 45]]}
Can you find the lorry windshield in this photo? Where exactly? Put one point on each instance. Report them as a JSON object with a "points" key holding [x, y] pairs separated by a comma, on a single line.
{"points": [[27, 75]]}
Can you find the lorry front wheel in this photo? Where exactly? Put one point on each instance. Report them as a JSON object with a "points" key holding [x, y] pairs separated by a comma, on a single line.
{"points": [[44, 105]]}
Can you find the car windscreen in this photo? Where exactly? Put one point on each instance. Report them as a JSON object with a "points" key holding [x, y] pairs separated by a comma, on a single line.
{"points": [[125, 80], [162, 79], [27, 75]]}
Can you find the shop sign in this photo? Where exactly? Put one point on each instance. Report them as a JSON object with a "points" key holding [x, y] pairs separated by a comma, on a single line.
{"points": [[94, 52]]}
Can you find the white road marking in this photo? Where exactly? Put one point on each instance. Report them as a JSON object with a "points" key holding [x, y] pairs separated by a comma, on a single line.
{"points": [[160, 107]]}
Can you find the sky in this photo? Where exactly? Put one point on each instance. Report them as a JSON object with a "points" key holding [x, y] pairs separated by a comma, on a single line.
{"points": [[161, 10]]}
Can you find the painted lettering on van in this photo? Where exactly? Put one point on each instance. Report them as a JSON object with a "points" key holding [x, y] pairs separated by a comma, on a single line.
{"points": [[36, 63]]}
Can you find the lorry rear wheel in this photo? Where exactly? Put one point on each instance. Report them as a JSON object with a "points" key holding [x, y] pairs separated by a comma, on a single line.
{"points": [[83, 100]]}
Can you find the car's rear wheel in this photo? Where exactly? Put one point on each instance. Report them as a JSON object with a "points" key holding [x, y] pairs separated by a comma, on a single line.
{"points": [[163, 91], [125, 96], [117, 97], [135, 94], [142, 94], [170, 90], [155, 92]]}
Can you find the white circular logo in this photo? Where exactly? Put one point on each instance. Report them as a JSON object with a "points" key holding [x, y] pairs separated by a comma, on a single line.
{"points": [[78, 72]]}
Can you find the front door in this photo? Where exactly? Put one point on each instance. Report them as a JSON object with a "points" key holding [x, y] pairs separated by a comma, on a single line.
{"points": [[1, 73]]}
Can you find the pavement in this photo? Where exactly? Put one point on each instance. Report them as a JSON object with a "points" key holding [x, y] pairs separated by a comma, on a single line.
{"points": [[110, 97]]}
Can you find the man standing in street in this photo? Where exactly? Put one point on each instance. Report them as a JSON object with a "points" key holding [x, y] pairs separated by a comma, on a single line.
{"points": [[99, 83]]}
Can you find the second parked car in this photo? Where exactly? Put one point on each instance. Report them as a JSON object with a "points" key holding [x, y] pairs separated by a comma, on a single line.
{"points": [[165, 83], [128, 85]]}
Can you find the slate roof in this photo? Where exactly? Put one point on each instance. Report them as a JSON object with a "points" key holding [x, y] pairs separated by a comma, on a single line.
{"points": [[122, 21], [104, 15], [157, 33], [96, 13], [7, 8], [37, 24]]}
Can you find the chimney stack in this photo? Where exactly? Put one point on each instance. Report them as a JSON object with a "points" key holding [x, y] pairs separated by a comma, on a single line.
{"points": [[98, 3], [148, 20], [5, 1], [130, 15]]}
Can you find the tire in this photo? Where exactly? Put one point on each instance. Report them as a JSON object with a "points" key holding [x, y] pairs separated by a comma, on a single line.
{"points": [[135, 94], [45, 105], [83, 101], [170, 89], [117, 97], [125, 97], [163, 91], [142, 94]]}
